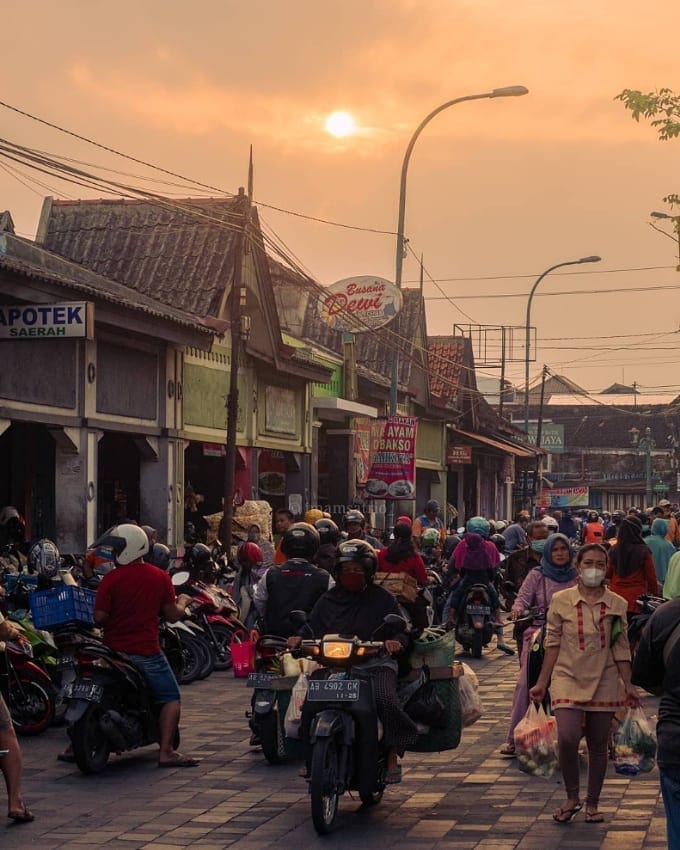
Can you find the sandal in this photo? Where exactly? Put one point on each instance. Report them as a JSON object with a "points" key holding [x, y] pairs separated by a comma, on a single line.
{"points": [[567, 815], [594, 817], [507, 751], [25, 815], [393, 776]]}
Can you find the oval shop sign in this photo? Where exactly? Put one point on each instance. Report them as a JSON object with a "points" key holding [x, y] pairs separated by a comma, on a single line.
{"points": [[360, 304]]}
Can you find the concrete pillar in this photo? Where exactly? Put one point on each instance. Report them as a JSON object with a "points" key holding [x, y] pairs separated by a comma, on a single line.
{"points": [[156, 478], [70, 489]]}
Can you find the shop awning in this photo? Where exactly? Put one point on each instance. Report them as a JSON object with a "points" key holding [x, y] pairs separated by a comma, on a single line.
{"points": [[506, 448], [338, 408]]}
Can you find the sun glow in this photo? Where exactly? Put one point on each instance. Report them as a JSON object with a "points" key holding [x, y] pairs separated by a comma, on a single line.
{"points": [[340, 125]]}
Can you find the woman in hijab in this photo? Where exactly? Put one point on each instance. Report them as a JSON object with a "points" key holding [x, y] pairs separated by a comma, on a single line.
{"points": [[631, 570], [555, 572]]}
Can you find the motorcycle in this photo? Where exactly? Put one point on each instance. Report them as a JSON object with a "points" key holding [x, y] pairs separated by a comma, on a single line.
{"points": [[110, 708], [347, 752], [648, 605], [30, 694], [214, 610], [475, 625]]}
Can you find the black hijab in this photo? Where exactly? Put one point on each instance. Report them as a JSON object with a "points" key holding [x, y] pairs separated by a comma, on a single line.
{"points": [[630, 551]]}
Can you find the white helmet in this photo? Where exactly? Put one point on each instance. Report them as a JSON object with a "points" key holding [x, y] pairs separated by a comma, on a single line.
{"points": [[128, 542], [552, 523]]}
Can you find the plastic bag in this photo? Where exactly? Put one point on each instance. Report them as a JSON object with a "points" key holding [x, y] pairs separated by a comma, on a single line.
{"points": [[242, 648], [470, 702], [293, 716], [634, 745], [427, 707], [536, 743]]}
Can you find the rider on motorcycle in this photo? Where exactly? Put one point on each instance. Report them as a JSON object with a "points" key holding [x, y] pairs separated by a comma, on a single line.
{"points": [[356, 606], [329, 536], [476, 558], [129, 601], [293, 585]]}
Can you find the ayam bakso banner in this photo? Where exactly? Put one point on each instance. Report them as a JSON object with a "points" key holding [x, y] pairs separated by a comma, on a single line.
{"points": [[393, 463]]}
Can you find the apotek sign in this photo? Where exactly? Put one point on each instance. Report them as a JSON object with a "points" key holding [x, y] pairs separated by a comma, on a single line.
{"points": [[31, 321], [360, 304]]}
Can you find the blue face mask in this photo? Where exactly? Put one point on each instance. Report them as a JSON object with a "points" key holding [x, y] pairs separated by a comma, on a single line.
{"points": [[538, 545]]}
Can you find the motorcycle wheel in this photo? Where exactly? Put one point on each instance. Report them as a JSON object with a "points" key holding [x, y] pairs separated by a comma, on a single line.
{"points": [[208, 659], [90, 747], [323, 786], [477, 644], [223, 637], [270, 737], [192, 658], [31, 707]]}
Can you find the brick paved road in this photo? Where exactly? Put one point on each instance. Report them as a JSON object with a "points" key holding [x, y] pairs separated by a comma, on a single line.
{"points": [[468, 798]]}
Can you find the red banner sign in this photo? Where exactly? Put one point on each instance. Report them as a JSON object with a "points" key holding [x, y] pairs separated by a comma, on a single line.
{"points": [[393, 464]]}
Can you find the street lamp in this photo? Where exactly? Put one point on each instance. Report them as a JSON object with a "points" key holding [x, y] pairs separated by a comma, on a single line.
{"points": [[527, 345], [676, 226], [507, 91], [645, 444]]}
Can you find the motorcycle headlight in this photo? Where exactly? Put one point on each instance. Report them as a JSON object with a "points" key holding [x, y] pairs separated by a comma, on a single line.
{"points": [[337, 649]]}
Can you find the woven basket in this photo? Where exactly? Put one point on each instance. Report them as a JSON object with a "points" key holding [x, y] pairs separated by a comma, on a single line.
{"points": [[402, 585], [434, 653]]}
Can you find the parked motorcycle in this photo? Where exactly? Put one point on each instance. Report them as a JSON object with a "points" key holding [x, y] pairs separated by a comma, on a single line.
{"points": [[347, 753], [214, 610], [31, 696], [111, 708]]}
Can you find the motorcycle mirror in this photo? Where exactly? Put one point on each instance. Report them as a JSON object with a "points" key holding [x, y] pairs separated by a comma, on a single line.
{"points": [[509, 585], [298, 618], [395, 620], [180, 578]]}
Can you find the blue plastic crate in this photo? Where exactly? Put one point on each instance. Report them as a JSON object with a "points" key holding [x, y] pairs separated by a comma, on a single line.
{"points": [[62, 605], [28, 580]]}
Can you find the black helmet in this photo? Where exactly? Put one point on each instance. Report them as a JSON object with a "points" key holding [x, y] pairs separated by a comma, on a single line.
{"points": [[592, 516], [432, 505], [159, 556], [328, 531], [200, 555], [354, 516], [301, 540], [361, 553], [618, 515], [43, 558], [499, 542]]}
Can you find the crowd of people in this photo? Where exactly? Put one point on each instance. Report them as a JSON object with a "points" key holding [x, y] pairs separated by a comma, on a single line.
{"points": [[576, 578]]}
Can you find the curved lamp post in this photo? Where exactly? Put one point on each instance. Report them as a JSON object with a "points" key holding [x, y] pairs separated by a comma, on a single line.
{"points": [[527, 344], [507, 91]]}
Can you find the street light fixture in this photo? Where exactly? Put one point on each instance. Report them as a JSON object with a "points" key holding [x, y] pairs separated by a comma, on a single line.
{"points": [[645, 444], [527, 345], [506, 91], [676, 226]]}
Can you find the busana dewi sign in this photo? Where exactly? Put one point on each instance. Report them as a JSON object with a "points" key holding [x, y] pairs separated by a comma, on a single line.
{"points": [[360, 304], [47, 321]]}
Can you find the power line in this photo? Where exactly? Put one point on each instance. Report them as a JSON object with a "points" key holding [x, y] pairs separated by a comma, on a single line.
{"points": [[552, 293], [553, 274]]}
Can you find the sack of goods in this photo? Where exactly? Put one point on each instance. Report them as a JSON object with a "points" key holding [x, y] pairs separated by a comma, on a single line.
{"points": [[470, 702], [536, 743], [634, 745], [402, 585]]}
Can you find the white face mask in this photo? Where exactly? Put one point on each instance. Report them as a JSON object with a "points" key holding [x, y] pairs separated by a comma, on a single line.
{"points": [[592, 576]]}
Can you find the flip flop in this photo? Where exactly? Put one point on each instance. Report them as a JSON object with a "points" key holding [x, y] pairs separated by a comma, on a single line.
{"points": [[24, 816], [567, 815], [594, 817], [393, 776], [184, 761], [507, 751]]}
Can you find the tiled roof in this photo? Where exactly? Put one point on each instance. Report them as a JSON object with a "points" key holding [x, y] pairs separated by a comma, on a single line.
{"points": [[181, 253], [446, 364], [599, 427], [25, 258]]}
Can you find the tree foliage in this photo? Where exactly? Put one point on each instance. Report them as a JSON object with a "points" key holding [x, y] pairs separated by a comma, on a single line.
{"points": [[663, 105]]}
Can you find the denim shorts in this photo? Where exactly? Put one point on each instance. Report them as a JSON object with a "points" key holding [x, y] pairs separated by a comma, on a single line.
{"points": [[5, 717], [159, 675]]}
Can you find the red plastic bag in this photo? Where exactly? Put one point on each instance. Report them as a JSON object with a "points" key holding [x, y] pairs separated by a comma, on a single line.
{"points": [[242, 649]]}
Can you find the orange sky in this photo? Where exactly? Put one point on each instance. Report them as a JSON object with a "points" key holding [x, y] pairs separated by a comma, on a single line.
{"points": [[495, 188]]}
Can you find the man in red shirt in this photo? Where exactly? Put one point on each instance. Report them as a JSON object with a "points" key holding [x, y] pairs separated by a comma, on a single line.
{"points": [[130, 600]]}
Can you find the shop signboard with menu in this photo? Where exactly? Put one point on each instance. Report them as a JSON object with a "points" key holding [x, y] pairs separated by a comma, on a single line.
{"points": [[392, 472]]}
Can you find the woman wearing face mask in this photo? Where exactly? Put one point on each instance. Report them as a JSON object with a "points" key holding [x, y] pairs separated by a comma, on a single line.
{"points": [[356, 606], [555, 572], [588, 656], [631, 570]]}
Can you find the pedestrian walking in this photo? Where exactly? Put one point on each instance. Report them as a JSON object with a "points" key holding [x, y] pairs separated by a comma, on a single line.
{"points": [[631, 565], [555, 572], [10, 754], [656, 668], [588, 657]]}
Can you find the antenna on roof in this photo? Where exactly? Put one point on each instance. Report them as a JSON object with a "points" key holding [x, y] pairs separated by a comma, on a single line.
{"points": [[250, 175]]}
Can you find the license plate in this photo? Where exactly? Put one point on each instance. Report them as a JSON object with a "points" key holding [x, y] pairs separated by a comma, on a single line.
{"points": [[479, 610], [259, 680], [90, 691], [329, 690], [66, 661]]}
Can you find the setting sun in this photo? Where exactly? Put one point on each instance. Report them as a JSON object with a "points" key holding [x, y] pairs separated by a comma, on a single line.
{"points": [[340, 124]]}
